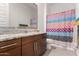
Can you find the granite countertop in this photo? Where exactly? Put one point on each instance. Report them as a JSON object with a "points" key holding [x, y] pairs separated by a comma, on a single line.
{"points": [[18, 35]]}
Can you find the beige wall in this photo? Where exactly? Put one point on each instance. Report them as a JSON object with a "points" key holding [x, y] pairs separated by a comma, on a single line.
{"points": [[42, 17], [59, 7]]}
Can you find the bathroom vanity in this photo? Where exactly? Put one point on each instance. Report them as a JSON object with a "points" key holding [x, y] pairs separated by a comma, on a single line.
{"points": [[23, 44]]}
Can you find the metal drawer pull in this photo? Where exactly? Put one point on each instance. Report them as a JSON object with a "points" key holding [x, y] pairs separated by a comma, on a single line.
{"points": [[8, 46], [34, 46]]}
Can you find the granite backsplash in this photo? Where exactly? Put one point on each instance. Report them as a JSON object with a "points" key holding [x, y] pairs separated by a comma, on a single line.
{"points": [[8, 30]]}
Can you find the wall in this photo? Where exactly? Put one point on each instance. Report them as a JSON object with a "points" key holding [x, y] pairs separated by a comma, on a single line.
{"points": [[20, 13], [42, 17], [59, 7]]}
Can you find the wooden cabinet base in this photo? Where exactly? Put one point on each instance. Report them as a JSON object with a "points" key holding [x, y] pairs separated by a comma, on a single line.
{"points": [[25, 46]]}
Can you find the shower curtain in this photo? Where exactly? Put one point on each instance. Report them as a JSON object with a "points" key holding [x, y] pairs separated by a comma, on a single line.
{"points": [[60, 25]]}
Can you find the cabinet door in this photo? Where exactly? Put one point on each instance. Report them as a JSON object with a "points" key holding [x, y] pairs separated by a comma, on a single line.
{"points": [[12, 52], [28, 49], [41, 45]]}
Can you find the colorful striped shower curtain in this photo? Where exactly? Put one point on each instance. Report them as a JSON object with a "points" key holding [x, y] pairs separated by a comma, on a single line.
{"points": [[60, 25]]}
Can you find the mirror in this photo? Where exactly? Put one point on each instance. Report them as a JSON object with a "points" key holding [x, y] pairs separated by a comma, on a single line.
{"points": [[18, 15], [23, 14]]}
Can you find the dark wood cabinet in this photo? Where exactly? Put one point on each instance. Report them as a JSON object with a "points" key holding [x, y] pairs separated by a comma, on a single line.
{"points": [[34, 45]]}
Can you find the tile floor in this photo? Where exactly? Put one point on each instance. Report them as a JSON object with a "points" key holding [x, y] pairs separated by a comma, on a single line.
{"points": [[56, 51], [53, 50]]}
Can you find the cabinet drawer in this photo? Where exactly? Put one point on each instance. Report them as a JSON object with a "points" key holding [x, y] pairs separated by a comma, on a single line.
{"points": [[9, 44], [12, 52]]}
